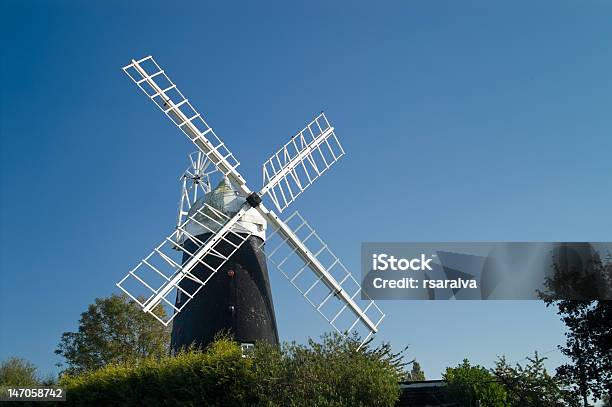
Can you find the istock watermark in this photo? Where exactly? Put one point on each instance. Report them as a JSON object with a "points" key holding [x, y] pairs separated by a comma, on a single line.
{"points": [[486, 271], [383, 261]]}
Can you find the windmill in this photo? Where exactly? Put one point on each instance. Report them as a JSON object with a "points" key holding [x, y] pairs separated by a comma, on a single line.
{"points": [[225, 229]]}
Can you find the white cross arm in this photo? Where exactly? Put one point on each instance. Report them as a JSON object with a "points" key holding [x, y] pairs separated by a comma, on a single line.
{"points": [[156, 84], [307, 262], [296, 165]]}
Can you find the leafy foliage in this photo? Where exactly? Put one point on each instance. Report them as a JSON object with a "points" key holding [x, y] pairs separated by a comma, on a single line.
{"points": [[415, 374], [470, 386], [589, 322], [18, 372], [582, 282], [327, 373], [218, 377], [588, 346], [113, 330], [332, 372], [531, 385]]}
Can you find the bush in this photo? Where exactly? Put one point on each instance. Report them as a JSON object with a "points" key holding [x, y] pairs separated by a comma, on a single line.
{"points": [[217, 377], [531, 385], [18, 372], [469, 386], [329, 373]]}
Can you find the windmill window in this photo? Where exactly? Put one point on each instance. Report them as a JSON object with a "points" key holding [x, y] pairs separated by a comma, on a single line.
{"points": [[247, 349]]}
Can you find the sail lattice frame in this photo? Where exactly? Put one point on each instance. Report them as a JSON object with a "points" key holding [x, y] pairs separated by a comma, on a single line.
{"points": [[316, 289], [158, 86], [303, 159], [167, 276]]}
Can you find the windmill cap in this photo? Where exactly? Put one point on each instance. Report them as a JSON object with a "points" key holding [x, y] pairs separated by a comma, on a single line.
{"points": [[224, 186], [226, 199]]}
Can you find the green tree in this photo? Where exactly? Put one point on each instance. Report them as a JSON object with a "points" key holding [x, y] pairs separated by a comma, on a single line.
{"points": [[416, 373], [530, 385], [589, 348], [18, 372], [113, 330], [589, 338], [470, 386]]}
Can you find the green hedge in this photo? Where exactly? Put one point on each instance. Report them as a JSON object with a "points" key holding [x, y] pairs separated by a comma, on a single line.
{"points": [[330, 373]]}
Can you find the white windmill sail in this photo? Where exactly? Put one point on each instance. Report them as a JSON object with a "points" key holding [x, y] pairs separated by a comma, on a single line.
{"points": [[317, 273], [300, 161], [288, 173], [154, 82], [157, 280]]}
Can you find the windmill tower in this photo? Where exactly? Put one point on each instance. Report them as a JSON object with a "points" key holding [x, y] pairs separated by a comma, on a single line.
{"points": [[239, 299], [218, 248]]}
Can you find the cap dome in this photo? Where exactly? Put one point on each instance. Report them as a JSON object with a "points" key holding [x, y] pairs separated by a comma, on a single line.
{"points": [[226, 199]]}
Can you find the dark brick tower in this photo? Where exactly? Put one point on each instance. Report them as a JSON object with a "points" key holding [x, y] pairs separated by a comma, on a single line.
{"points": [[237, 299]]}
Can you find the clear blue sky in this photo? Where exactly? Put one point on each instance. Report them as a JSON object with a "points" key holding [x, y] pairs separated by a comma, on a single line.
{"points": [[462, 121]]}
